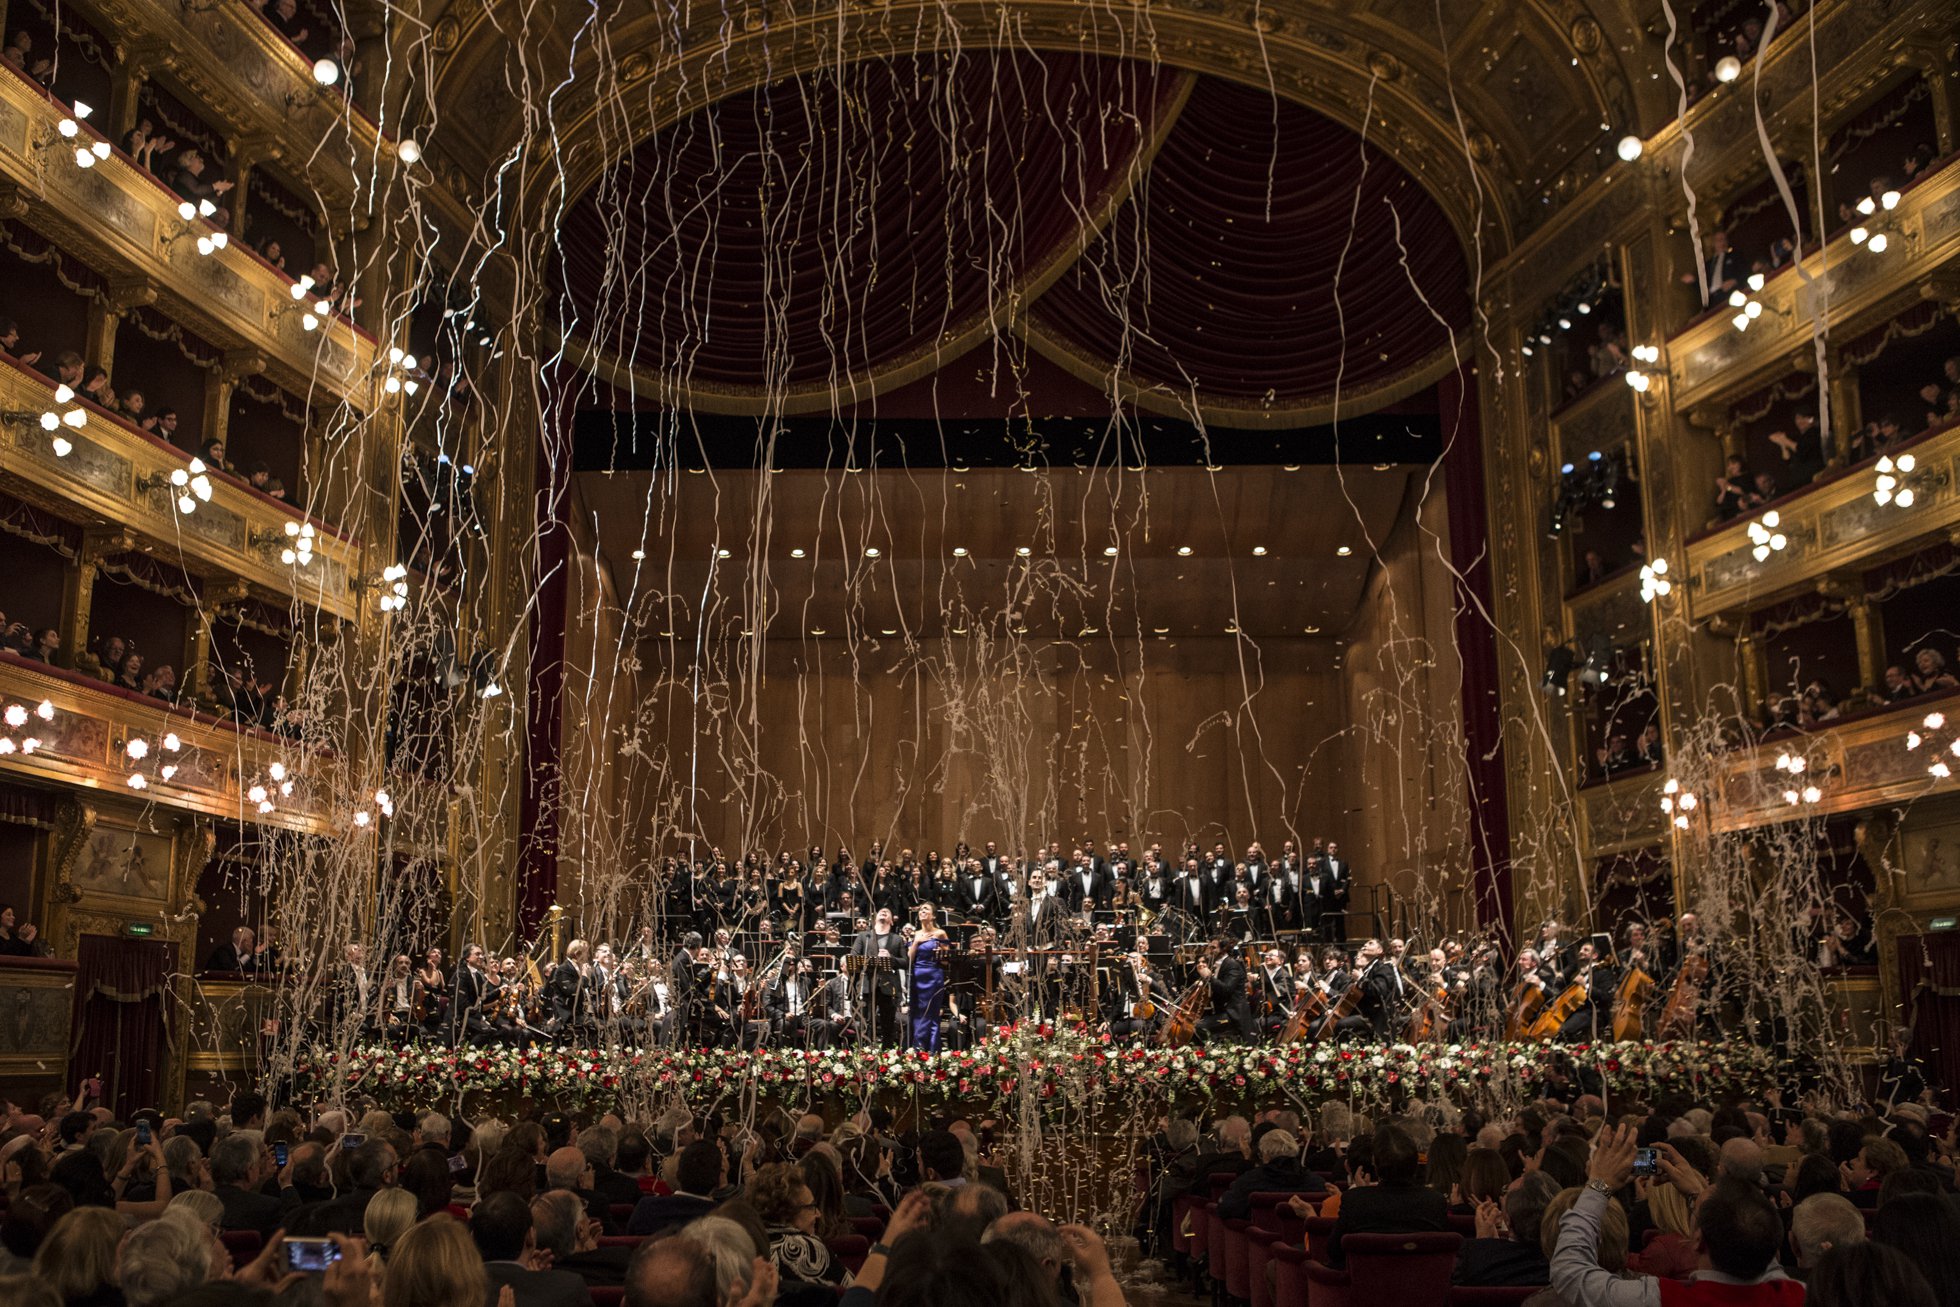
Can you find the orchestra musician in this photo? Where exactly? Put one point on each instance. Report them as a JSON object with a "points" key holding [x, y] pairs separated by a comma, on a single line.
{"points": [[432, 994], [1274, 992], [1222, 971], [468, 1022], [1136, 1001], [398, 1000], [1593, 1016]]}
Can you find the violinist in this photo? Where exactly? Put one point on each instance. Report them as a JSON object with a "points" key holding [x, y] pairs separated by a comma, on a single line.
{"points": [[1224, 974], [1137, 1001], [514, 1002], [793, 1017], [432, 993], [1273, 993]]}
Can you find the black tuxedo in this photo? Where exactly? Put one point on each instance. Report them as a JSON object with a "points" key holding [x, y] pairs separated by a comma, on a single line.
{"points": [[1229, 1004], [466, 1017], [1044, 925], [1390, 1208], [1336, 883], [1157, 894], [791, 1003], [1192, 895], [1081, 897], [976, 896], [881, 989], [227, 958]]}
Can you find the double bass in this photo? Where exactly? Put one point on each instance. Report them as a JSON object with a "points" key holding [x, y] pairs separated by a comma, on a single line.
{"points": [[1684, 1000]]}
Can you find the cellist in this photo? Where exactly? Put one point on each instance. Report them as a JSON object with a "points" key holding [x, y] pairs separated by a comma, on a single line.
{"points": [[1590, 1021], [1274, 994]]}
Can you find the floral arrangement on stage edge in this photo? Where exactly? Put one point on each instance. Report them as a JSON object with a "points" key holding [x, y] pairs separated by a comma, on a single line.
{"points": [[1066, 1062]]}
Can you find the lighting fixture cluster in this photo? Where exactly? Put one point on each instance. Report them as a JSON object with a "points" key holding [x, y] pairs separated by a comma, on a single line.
{"points": [[401, 372], [20, 721], [322, 306], [299, 549], [66, 413], [87, 153], [383, 802], [264, 794], [1933, 724], [1748, 308], [1678, 802], [1875, 241], [394, 588], [1574, 306], [1794, 767], [1891, 487], [139, 750], [1597, 481], [191, 485], [1653, 581], [1637, 378], [1764, 537], [208, 243]]}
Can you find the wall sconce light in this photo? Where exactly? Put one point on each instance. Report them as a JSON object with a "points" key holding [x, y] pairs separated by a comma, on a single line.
{"points": [[189, 485], [1678, 802], [1766, 536], [1876, 237], [1653, 581]]}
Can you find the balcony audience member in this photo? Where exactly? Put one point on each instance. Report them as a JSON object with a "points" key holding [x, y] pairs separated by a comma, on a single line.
{"points": [[1609, 354], [18, 939], [275, 488], [132, 404], [144, 143], [95, 388], [1723, 269], [69, 368], [10, 344], [1819, 704], [259, 476], [283, 15], [130, 675], [1732, 488], [1800, 450], [241, 955], [273, 253], [162, 424], [1762, 489], [1929, 672], [1592, 567], [161, 683], [19, 52], [1898, 686], [109, 654], [188, 180], [47, 643], [1846, 944], [14, 636], [1648, 748], [213, 453]]}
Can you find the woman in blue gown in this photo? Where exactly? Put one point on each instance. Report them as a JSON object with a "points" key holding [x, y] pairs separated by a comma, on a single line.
{"points": [[928, 956]]}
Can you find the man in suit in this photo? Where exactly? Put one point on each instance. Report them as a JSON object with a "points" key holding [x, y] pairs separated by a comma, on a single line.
{"points": [[976, 896], [1086, 888], [1385, 1198], [1337, 881], [241, 955], [1218, 871], [1230, 1008], [466, 1018], [1279, 1172], [793, 1017], [881, 986], [561, 1227], [237, 1170], [1191, 894], [501, 1228], [1154, 887], [700, 1171]]}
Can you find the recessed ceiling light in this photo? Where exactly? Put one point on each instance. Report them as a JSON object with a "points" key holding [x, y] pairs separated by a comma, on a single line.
{"points": [[1020, 630], [1184, 551], [1214, 467], [1259, 551], [796, 553], [1231, 628], [959, 630], [639, 554], [666, 635], [1109, 551], [871, 551], [1344, 551], [1161, 630], [1383, 467], [1091, 630], [959, 551], [1024, 551]]}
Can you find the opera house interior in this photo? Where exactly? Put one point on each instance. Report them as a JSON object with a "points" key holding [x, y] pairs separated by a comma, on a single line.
{"points": [[1251, 652]]}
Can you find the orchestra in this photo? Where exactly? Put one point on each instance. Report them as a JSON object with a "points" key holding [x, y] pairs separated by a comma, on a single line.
{"points": [[928, 953]]}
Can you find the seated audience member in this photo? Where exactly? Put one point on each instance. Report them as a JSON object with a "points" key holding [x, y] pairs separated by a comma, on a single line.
{"points": [[868, 1181], [78, 1257], [189, 181], [436, 1265], [790, 1213], [1737, 1230], [1507, 1249], [389, 1215], [502, 1231], [132, 405], [238, 1167], [1869, 1274], [47, 644], [144, 143], [29, 1217], [562, 1229], [1866, 1172], [702, 1170], [1485, 1178], [1279, 1172], [1820, 1223], [1926, 1228], [161, 683], [1394, 1202], [162, 1259], [1669, 1251], [1613, 1236]]}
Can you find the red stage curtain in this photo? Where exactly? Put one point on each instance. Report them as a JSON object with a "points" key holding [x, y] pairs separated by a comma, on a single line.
{"points": [[1929, 980], [123, 1012]]}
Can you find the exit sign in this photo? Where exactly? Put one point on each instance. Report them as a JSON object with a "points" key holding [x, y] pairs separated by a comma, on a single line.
{"points": [[140, 929], [1943, 923]]}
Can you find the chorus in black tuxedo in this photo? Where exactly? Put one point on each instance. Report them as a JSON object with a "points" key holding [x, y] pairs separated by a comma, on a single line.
{"points": [[1336, 885], [1085, 888], [976, 897]]}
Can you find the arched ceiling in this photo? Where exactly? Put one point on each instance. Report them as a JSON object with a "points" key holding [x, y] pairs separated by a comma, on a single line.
{"points": [[823, 240], [1533, 92]]}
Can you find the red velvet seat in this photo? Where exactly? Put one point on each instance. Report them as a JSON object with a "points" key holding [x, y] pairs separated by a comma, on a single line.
{"points": [[607, 1295], [1389, 1269], [1259, 1259], [1289, 1263], [1235, 1234], [1485, 1295], [243, 1245], [850, 1249], [1326, 1287], [1220, 1183], [1182, 1208], [1316, 1234], [621, 1213], [621, 1240], [868, 1226], [1201, 1231], [1463, 1223]]}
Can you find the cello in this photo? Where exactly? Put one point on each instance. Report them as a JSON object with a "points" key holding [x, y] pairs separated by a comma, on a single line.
{"points": [[1678, 1016], [1630, 1002], [1182, 1028], [1558, 1011]]}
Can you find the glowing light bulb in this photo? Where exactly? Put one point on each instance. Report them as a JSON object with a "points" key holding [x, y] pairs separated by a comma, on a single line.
{"points": [[409, 150], [277, 771], [1935, 721], [138, 749], [75, 417], [16, 715], [171, 743], [1859, 235], [61, 447], [45, 711], [326, 72], [256, 794], [1630, 148], [1728, 68], [1812, 794], [1878, 243], [136, 782]]}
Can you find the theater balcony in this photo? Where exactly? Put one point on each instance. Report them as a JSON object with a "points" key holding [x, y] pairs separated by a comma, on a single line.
{"points": [[121, 220], [96, 736], [115, 475]]}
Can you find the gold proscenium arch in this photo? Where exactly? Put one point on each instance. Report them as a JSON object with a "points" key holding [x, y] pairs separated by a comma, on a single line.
{"points": [[613, 87]]}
